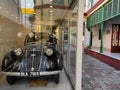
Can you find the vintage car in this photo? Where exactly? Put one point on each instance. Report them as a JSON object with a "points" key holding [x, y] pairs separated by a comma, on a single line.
{"points": [[39, 57]]}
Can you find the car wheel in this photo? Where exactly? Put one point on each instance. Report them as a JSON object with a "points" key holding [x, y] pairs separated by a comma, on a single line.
{"points": [[11, 79], [57, 78]]}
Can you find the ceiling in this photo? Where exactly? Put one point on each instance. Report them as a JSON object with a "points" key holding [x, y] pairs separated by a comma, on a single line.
{"points": [[52, 12]]}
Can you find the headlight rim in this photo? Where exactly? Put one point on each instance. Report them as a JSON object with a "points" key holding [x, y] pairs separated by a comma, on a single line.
{"points": [[49, 52], [18, 52]]}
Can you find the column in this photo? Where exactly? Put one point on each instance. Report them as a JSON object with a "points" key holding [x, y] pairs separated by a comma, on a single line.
{"points": [[78, 82], [90, 38], [101, 37], [101, 33]]}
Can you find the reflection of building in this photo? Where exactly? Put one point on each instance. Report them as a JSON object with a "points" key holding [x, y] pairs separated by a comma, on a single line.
{"points": [[103, 26], [11, 29], [73, 36]]}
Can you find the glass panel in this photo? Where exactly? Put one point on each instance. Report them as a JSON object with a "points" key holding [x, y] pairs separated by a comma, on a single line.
{"points": [[70, 43]]}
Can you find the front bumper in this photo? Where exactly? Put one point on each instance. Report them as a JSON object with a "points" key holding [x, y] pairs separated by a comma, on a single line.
{"points": [[31, 74]]}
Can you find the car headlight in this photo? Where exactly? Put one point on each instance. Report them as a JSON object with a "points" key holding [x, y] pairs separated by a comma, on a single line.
{"points": [[18, 51], [49, 52]]}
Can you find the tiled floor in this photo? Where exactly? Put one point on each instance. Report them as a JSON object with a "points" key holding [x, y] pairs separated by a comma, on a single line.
{"points": [[24, 84], [98, 76]]}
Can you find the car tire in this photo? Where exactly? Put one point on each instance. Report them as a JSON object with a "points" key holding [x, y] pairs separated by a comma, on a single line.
{"points": [[11, 79], [57, 78]]}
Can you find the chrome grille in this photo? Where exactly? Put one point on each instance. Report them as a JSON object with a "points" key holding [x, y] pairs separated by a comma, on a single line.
{"points": [[33, 60]]}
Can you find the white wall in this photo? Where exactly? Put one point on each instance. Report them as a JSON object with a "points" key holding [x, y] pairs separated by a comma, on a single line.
{"points": [[86, 38], [96, 41], [107, 36]]}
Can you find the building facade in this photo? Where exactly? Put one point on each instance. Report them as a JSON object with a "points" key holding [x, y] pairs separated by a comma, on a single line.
{"points": [[103, 27]]}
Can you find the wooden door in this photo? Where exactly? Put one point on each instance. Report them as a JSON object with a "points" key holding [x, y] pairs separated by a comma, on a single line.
{"points": [[115, 39]]}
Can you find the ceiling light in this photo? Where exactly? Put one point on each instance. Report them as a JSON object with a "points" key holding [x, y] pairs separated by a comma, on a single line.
{"points": [[51, 14], [51, 11], [51, 6], [16, 17], [51, 0], [37, 18]]}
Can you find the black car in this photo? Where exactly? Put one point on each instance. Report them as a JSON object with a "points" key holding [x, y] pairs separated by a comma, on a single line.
{"points": [[39, 57]]}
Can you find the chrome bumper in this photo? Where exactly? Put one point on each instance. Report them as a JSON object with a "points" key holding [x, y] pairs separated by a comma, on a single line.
{"points": [[45, 73]]}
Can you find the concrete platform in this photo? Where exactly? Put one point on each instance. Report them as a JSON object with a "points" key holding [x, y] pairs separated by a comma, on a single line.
{"points": [[112, 59]]}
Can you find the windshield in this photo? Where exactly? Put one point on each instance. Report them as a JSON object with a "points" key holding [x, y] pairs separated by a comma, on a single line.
{"points": [[42, 37], [37, 37]]}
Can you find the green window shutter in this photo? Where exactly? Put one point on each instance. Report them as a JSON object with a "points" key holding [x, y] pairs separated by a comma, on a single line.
{"points": [[100, 17], [105, 12], [97, 17], [93, 19], [115, 7], [119, 6], [109, 10], [88, 22]]}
